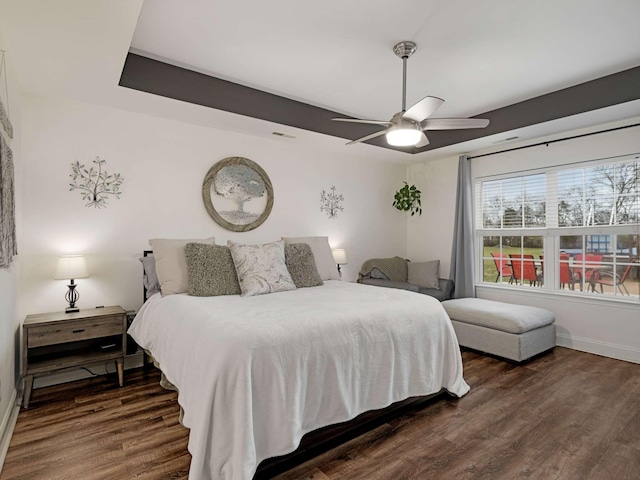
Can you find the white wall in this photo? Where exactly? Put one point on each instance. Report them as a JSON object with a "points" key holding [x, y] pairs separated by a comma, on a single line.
{"points": [[606, 328], [9, 318], [164, 163]]}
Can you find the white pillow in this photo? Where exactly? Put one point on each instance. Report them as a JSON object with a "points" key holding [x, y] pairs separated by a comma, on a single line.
{"points": [[261, 268], [327, 267], [171, 262], [424, 274]]}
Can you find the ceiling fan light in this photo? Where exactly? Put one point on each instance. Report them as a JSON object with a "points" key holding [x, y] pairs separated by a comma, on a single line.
{"points": [[403, 137]]}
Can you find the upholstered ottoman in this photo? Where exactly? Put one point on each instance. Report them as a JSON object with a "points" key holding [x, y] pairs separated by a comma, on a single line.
{"points": [[516, 332]]}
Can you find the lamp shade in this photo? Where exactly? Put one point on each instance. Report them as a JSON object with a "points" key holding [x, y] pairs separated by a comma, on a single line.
{"points": [[340, 256], [71, 266]]}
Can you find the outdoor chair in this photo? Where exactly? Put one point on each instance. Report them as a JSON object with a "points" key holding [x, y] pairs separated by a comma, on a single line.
{"points": [[524, 268], [567, 275], [502, 266], [606, 277], [591, 263]]}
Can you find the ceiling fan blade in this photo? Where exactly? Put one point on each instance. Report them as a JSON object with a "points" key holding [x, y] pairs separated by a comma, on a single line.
{"points": [[369, 122], [424, 141], [423, 109], [369, 137], [453, 123]]}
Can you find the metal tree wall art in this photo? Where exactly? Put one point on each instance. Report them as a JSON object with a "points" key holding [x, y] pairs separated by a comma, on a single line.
{"points": [[95, 184], [331, 202], [237, 181]]}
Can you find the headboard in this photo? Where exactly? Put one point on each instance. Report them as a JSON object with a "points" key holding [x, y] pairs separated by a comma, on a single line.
{"points": [[145, 253]]}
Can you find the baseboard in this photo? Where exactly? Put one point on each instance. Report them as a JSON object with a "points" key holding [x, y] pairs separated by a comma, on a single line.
{"points": [[102, 368], [7, 426], [599, 348]]}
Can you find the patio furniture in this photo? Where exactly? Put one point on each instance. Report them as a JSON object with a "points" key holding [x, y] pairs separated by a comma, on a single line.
{"points": [[502, 266], [568, 276], [524, 268], [606, 277], [587, 265]]}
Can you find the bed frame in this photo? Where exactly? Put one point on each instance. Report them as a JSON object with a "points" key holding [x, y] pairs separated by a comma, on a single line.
{"points": [[324, 439]]}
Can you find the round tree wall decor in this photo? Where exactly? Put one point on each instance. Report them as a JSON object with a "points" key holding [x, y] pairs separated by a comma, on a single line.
{"points": [[238, 194]]}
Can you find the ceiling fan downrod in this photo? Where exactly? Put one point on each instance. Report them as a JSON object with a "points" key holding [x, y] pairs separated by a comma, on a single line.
{"points": [[404, 50]]}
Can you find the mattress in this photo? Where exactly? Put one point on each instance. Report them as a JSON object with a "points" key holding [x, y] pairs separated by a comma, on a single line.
{"points": [[254, 374]]}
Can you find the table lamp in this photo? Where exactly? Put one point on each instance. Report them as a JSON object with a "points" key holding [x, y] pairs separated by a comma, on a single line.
{"points": [[71, 267], [340, 257]]}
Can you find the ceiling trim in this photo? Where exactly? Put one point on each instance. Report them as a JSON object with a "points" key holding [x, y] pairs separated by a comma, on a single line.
{"points": [[602, 92], [160, 78]]}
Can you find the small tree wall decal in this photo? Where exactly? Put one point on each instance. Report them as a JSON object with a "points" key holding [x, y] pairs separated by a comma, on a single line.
{"points": [[331, 202], [95, 185]]}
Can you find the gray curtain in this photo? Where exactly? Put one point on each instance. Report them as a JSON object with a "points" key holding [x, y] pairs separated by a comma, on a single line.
{"points": [[462, 257]]}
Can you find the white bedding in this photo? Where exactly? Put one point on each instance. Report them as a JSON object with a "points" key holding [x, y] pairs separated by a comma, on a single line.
{"points": [[255, 374]]}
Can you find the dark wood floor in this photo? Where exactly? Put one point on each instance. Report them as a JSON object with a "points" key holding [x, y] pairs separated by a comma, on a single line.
{"points": [[566, 415]]}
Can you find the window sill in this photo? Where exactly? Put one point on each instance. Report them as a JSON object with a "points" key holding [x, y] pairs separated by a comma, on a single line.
{"points": [[579, 297]]}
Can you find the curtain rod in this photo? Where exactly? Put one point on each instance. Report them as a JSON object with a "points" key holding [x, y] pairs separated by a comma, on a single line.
{"points": [[554, 141]]}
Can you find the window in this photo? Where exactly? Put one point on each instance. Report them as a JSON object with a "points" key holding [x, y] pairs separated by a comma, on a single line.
{"points": [[574, 229]]}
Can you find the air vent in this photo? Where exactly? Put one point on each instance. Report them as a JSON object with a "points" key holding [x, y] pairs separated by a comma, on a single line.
{"points": [[280, 134], [505, 140]]}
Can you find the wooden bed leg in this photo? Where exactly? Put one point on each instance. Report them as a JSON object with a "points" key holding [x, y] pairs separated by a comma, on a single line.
{"points": [[121, 371]]}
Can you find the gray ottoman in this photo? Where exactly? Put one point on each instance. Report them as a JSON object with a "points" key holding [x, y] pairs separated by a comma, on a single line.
{"points": [[516, 332]]}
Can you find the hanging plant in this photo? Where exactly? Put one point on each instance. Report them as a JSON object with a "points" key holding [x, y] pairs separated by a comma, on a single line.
{"points": [[407, 199]]}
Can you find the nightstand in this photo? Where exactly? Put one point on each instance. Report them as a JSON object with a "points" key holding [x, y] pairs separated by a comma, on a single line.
{"points": [[57, 341]]}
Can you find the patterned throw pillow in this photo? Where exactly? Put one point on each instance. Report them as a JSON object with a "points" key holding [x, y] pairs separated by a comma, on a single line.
{"points": [[302, 265], [211, 271], [261, 268]]}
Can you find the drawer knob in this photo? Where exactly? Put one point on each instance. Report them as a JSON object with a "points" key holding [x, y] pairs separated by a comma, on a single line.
{"points": [[79, 331]]}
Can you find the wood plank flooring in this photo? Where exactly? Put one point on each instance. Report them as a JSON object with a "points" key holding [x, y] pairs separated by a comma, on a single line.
{"points": [[566, 415]]}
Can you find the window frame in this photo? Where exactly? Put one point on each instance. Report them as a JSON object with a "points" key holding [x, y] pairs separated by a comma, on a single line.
{"points": [[552, 232]]}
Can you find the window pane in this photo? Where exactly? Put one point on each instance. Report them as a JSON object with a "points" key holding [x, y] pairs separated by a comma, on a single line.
{"points": [[518, 202], [571, 211], [491, 203], [512, 203], [534, 201], [517, 260], [601, 195]]}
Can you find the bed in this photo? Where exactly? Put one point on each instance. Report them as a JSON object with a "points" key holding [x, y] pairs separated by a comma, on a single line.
{"points": [[254, 374], [256, 370]]}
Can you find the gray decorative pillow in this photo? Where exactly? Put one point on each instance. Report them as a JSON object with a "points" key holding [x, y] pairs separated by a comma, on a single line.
{"points": [[424, 274], [327, 267], [210, 270], [149, 277], [302, 265], [261, 268]]}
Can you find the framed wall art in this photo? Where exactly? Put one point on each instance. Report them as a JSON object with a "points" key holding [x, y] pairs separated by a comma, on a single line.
{"points": [[238, 194]]}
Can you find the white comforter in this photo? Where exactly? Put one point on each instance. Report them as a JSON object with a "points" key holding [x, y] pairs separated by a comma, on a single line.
{"points": [[255, 374]]}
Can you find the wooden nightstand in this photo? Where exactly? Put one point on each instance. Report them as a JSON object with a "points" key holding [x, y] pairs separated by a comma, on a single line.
{"points": [[57, 341]]}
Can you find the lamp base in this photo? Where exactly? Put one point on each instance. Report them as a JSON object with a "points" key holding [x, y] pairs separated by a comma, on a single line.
{"points": [[72, 297]]}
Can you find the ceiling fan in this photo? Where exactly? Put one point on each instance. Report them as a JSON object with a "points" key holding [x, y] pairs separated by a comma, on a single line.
{"points": [[406, 128]]}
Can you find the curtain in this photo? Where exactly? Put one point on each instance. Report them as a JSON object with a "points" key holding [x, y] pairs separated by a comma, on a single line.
{"points": [[462, 258]]}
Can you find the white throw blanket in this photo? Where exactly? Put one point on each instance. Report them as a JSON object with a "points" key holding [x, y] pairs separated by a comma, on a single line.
{"points": [[255, 374]]}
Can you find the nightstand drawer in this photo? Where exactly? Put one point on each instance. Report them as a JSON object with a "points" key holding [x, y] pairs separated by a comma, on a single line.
{"points": [[43, 335]]}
